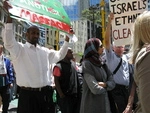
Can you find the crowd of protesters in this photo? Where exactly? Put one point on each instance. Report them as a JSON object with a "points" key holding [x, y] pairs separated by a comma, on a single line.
{"points": [[48, 80]]}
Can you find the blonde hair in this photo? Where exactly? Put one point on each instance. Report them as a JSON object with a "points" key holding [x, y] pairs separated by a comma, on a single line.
{"points": [[141, 33]]}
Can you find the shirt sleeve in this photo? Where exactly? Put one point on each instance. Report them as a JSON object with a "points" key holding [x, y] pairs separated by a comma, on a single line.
{"points": [[109, 53], [56, 71], [9, 40], [91, 80], [58, 55]]}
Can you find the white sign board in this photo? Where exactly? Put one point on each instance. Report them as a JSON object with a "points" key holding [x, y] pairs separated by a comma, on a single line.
{"points": [[125, 13]]}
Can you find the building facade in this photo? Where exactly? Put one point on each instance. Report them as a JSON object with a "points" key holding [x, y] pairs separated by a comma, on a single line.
{"points": [[84, 28], [83, 32], [3, 17], [83, 4]]}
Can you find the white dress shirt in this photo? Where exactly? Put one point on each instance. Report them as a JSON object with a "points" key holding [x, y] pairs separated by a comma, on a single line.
{"points": [[31, 63]]}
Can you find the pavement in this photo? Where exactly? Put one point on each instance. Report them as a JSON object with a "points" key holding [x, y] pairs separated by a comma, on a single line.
{"points": [[12, 106]]}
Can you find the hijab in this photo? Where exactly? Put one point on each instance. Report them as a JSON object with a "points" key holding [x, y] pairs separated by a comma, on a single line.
{"points": [[91, 51]]}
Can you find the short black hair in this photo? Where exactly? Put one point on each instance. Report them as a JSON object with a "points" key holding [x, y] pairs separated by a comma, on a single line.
{"points": [[30, 27]]}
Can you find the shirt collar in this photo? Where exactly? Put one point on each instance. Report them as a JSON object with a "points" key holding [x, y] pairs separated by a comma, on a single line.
{"points": [[30, 45]]}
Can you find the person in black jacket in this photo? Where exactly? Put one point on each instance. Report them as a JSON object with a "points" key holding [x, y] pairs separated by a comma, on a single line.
{"points": [[67, 85]]}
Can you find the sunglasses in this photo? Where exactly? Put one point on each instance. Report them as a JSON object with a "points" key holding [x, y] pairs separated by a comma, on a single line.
{"points": [[101, 46]]}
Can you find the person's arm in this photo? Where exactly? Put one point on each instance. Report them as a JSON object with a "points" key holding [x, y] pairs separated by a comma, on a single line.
{"points": [[61, 94], [7, 6], [57, 74], [59, 55], [8, 36], [102, 84], [107, 40], [95, 86], [130, 99]]}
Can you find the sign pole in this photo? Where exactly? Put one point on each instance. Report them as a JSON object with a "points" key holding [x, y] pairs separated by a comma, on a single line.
{"points": [[102, 8]]}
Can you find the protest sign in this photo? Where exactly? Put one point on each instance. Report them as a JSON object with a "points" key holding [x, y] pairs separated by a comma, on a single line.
{"points": [[125, 13]]}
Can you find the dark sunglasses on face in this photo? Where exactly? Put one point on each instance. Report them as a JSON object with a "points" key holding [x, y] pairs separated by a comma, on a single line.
{"points": [[101, 46]]}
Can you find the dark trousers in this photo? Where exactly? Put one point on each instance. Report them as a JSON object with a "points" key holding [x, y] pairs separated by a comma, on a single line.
{"points": [[35, 101], [5, 94], [69, 104], [120, 95]]}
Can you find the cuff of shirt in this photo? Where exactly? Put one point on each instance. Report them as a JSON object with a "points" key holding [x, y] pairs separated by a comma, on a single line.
{"points": [[8, 26], [66, 43]]}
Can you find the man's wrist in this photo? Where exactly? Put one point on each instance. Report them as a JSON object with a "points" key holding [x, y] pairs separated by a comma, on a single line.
{"points": [[9, 26], [67, 38]]}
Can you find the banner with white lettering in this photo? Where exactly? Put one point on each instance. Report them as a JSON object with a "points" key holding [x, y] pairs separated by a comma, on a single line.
{"points": [[125, 13], [48, 13]]}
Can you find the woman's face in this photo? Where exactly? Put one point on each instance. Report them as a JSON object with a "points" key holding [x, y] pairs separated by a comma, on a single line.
{"points": [[100, 50]]}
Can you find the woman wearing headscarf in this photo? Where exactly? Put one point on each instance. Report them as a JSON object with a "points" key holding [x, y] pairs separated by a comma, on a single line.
{"points": [[97, 80]]}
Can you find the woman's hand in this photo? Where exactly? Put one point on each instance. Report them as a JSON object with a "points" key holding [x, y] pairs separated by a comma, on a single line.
{"points": [[102, 84]]}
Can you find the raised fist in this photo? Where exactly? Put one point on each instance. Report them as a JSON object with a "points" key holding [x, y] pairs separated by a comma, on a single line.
{"points": [[6, 5]]}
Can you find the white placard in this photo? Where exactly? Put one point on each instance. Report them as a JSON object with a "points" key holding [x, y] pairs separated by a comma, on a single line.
{"points": [[125, 13]]}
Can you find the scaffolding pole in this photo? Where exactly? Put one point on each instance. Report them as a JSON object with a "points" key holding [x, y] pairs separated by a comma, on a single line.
{"points": [[102, 11]]}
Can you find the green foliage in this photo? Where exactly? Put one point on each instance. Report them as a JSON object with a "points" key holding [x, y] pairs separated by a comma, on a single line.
{"points": [[80, 54], [89, 14]]}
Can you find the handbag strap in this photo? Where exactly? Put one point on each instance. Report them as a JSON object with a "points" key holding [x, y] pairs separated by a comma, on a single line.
{"points": [[114, 72]]}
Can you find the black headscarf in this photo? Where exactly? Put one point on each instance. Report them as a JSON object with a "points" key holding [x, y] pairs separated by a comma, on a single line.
{"points": [[91, 51]]}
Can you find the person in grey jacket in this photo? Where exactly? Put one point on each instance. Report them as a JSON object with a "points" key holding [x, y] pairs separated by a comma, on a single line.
{"points": [[141, 55], [97, 80]]}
